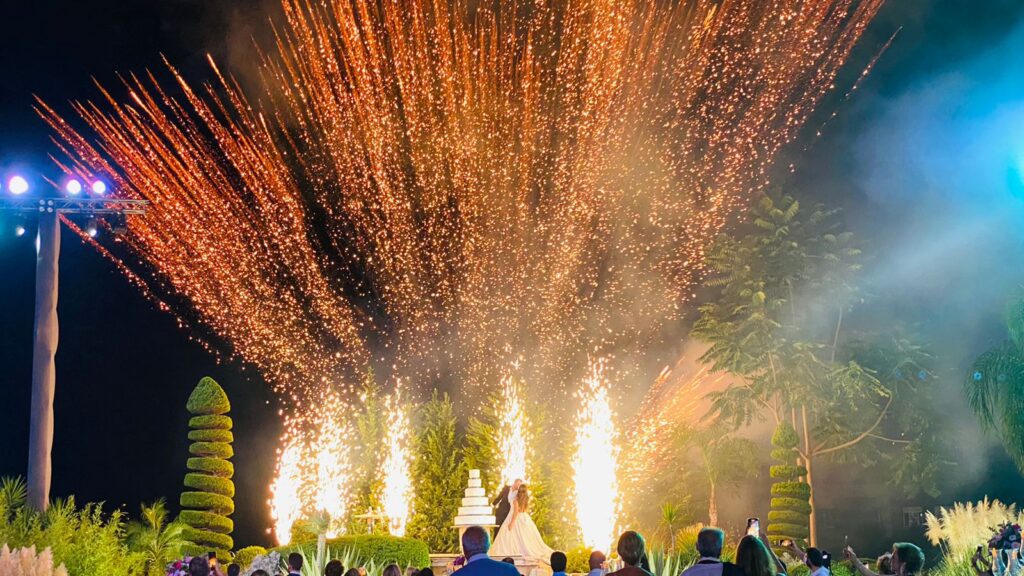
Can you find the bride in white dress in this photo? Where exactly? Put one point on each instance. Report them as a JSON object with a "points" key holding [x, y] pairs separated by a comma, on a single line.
{"points": [[518, 535]]}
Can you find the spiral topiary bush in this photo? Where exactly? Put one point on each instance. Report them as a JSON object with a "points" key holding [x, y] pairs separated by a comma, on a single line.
{"points": [[789, 518], [208, 500]]}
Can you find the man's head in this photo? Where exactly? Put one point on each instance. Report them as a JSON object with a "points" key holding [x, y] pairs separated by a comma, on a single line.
{"points": [[475, 540], [906, 559], [631, 547], [199, 566], [295, 562], [710, 542], [234, 569], [597, 560], [517, 483], [334, 568], [558, 561], [815, 559]]}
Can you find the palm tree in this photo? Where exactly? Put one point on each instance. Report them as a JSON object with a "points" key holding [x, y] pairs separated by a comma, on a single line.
{"points": [[995, 385], [158, 540]]}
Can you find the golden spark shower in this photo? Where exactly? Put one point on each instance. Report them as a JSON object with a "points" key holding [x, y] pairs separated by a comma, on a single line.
{"points": [[439, 189]]}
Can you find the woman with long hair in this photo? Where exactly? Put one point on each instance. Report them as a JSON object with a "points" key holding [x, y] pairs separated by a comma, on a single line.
{"points": [[518, 535], [757, 559]]}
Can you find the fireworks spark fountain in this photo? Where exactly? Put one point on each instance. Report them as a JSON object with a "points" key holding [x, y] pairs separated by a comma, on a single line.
{"points": [[286, 491], [453, 181], [299, 489], [595, 463], [398, 492], [512, 432]]}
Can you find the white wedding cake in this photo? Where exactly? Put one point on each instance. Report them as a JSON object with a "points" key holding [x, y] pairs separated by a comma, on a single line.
{"points": [[476, 508]]}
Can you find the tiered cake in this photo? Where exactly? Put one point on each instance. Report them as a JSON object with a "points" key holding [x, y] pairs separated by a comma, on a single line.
{"points": [[476, 508]]}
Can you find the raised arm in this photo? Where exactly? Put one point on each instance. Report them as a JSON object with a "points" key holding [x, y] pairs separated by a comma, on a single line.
{"points": [[861, 568], [780, 566]]}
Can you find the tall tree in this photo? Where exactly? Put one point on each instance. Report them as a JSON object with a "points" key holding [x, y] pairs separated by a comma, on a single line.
{"points": [[439, 475], [785, 287], [720, 458], [368, 483], [995, 385]]}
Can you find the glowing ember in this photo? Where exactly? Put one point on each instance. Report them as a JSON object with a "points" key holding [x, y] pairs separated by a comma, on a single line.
{"points": [[457, 182], [397, 464], [512, 432], [286, 499], [595, 462]]}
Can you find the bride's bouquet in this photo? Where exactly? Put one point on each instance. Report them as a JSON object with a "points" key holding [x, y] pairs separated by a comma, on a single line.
{"points": [[1007, 537]]}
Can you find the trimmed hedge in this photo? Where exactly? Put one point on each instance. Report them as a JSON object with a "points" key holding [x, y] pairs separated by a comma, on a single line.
{"points": [[789, 531], [787, 517], [208, 398], [210, 422], [221, 450], [799, 490], [205, 501], [381, 549], [245, 556], [207, 521], [791, 504], [787, 471], [212, 466], [214, 435], [208, 504], [213, 484], [208, 538]]}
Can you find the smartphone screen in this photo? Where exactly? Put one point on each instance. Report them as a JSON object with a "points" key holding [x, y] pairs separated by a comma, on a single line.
{"points": [[753, 527]]}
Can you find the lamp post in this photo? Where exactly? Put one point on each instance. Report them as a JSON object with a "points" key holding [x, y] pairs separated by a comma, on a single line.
{"points": [[48, 211]]}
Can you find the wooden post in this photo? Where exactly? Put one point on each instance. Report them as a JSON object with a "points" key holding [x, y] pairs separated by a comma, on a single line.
{"points": [[44, 348]]}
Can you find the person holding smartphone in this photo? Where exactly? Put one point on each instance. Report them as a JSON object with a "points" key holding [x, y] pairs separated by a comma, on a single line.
{"points": [[816, 560], [907, 560]]}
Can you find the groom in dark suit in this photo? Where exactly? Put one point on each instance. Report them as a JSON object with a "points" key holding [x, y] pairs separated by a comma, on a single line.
{"points": [[475, 544], [503, 507]]}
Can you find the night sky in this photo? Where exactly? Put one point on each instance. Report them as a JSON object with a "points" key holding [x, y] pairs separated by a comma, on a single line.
{"points": [[945, 97]]}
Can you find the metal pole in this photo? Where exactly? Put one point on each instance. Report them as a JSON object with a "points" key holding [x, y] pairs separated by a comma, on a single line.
{"points": [[44, 349]]}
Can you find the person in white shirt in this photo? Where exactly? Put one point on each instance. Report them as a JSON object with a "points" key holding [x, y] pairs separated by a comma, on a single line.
{"points": [[597, 566], [816, 560], [709, 546]]}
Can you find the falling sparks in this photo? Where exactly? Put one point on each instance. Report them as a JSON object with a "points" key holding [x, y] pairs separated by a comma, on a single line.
{"points": [[397, 498], [595, 463], [512, 432], [452, 182]]}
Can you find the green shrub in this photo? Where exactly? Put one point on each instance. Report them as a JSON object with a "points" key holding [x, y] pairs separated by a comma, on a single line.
{"points": [[210, 539], [214, 466], [208, 398], [578, 560], [245, 556], [221, 450], [207, 506], [787, 471], [790, 504], [380, 549], [83, 539], [212, 484], [205, 501], [210, 422], [786, 517], [798, 490], [207, 521], [211, 435]]}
